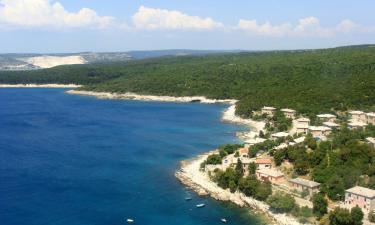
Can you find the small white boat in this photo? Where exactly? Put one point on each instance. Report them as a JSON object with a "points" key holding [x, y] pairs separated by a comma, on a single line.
{"points": [[200, 205], [188, 198], [130, 221], [223, 220]]}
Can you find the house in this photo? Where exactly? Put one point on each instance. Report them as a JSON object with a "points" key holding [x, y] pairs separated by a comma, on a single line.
{"points": [[269, 111], [319, 131], [299, 140], [289, 113], [279, 135], [371, 141], [301, 185], [357, 125], [253, 141], [243, 152], [263, 163], [332, 125], [361, 197], [270, 175], [231, 160], [281, 146], [302, 125], [370, 118], [357, 116], [326, 117]]}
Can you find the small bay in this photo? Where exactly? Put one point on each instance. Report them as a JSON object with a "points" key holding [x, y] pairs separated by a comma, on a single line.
{"points": [[76, 160]]}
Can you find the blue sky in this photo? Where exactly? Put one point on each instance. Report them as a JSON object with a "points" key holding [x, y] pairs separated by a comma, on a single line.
{"points": [[120, 25]]}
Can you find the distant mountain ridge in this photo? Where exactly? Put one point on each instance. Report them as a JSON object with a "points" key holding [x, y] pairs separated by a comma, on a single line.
{"points": [[31, 61]]}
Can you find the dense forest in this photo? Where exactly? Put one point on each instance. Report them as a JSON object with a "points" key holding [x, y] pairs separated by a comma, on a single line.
{"points": [[309, 81]]}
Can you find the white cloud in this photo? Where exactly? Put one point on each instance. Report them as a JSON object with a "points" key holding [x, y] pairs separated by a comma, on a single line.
{"points": [[45, 13], [152, 18], [306, 27], [265, 29]]}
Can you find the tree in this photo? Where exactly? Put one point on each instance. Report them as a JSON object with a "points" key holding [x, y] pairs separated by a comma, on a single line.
{"points": [[335, 188], [319, 205], [263, 190], [239, 167], [248, 185], [213, 159], [310, 141], [252, 168], [281, 202], [232, 186], [356, 216], [340, 216]]}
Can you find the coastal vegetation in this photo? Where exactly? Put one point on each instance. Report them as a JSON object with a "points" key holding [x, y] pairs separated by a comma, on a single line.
{"points": [[309, 81], [340, 216]]}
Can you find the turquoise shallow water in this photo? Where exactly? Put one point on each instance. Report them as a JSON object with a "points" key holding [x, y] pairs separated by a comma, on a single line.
{"points": [[76, 160]]}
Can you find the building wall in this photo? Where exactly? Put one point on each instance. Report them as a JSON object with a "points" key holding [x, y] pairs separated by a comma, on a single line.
{"points": [[271, 179], [301, 188], [264, 166], [359, 118], [353, 200]]}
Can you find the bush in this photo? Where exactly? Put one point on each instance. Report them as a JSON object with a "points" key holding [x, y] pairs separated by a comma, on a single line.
{"points": [[281, 202], [319, 205]]}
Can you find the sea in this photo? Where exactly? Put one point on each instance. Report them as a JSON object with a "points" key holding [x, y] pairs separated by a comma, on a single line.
{"points": [[77, 160]]}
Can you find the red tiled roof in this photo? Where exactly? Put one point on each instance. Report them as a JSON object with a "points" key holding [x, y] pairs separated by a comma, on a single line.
{"points": [[263, 161]]}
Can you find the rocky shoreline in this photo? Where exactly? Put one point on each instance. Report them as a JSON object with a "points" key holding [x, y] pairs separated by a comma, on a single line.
{"points": [[198, 181], [39, 86]]}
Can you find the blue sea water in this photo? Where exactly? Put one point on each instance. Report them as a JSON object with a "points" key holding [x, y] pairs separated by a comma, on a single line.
{"points": [[75, 160]]}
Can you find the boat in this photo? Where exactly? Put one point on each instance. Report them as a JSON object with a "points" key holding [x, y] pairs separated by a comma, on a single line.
{"points": [[200, 205], [188, 198], [130, 221], [223, 220]]}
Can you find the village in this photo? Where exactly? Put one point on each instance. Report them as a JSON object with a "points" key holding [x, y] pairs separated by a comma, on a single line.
{"points": [[302, 188]]}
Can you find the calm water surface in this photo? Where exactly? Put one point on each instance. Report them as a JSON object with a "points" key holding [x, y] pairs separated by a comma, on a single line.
{"points": [[74, 160]]}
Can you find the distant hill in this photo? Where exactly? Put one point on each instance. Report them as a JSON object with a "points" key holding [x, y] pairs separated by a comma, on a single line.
{"points": [[309, 81], [43, 61]]}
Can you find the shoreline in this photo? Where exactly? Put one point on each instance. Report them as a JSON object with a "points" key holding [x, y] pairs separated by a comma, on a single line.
{"points": [[229, 114], [191, 176], [40, 86]]}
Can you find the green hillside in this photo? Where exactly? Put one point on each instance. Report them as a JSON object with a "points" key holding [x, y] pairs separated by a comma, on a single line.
{"points": [[310, 81]]}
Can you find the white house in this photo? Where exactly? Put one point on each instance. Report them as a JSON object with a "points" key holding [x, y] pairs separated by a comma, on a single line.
{"points": [[279, 135], [319, 131], [302, 125], [301, 185], [263, 163], [370, 118], [253, 141], [361, 197], [289, 113], [357, 125], [327, 117], [270, 175], [332, 125], [269, 111], [357, 116]]}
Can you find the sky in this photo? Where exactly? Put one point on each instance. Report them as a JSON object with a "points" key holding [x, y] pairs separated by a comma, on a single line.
{"points": [[50, 26]]}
